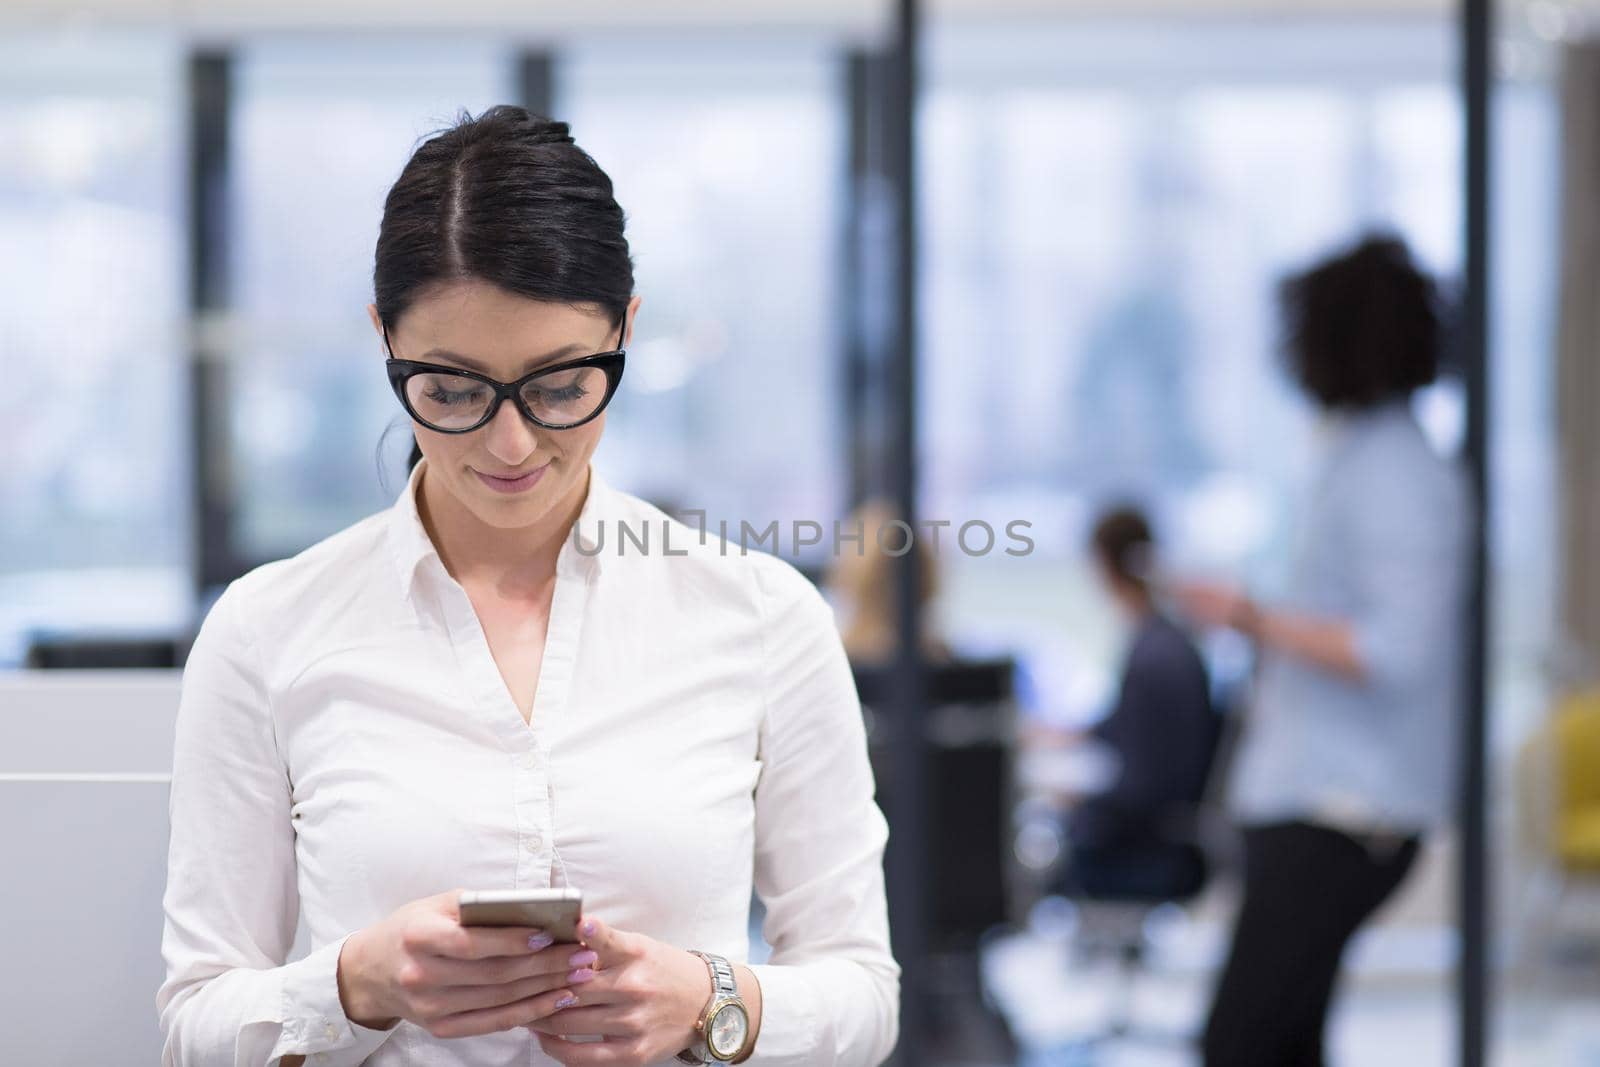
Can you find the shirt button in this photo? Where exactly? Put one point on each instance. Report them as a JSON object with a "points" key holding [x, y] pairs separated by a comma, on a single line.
{"points": [[329, 1032], [534, 842], [529, 761]]}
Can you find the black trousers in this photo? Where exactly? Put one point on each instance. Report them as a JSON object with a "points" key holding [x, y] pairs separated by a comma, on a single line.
{"points": [[1307, 889]]}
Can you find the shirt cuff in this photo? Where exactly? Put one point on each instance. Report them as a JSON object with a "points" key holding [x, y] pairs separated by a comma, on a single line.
{"points": [[792, 1027], [314, 1023]]}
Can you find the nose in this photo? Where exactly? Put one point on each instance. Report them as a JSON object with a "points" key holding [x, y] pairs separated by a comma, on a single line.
{"points": [[509, 437]]}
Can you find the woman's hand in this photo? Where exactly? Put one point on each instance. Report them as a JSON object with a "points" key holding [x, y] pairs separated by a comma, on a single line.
{"points": [[1326, 643], [644, 997], [420, 964]]}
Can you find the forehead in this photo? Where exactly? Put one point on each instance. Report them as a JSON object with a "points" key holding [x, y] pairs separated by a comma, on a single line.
{"points": [[486, 322]]}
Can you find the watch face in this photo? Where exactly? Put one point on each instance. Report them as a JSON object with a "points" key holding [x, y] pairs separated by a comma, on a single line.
{"points": [[726, 1033]]}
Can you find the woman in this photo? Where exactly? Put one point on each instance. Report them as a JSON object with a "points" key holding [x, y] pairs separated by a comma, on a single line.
{"points": [[491, 685], [1348, 758], [1125, 839], [863, 586]]}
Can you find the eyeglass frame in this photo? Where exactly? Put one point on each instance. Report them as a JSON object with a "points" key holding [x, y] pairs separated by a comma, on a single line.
{"points": [[611, 363]]}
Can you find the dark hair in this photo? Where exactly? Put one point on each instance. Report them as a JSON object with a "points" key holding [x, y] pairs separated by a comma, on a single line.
{"points": [[507, 198], [1123, 541], [1362, 327]]}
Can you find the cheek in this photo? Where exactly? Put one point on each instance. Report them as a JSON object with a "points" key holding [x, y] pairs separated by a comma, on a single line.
{"points": [[439, 447], [591, 432], [448, 456]]}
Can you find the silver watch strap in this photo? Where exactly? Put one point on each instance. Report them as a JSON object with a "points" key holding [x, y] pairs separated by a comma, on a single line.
{"points": [[722, 978]]}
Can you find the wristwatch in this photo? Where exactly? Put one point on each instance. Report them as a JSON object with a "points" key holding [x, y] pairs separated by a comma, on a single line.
{"points": [[722, 1034]]}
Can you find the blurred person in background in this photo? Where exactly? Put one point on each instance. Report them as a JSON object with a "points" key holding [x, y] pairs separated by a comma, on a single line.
{"points": [[1349, 753], [861, 583], [1160, 732], [478, 689]]}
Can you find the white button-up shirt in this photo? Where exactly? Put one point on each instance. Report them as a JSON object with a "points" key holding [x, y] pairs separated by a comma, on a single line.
{"points": [[346, 744]]}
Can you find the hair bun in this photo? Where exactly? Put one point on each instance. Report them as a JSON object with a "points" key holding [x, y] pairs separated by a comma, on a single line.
{"points": [[549, 131], [517, 122]]}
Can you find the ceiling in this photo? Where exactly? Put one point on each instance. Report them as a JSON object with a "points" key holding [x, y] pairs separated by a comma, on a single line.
{"points": [[849, 17]]}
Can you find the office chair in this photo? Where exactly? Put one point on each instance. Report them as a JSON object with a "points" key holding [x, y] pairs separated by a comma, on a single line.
{"points": [[1557, 778], [1114, 919]]}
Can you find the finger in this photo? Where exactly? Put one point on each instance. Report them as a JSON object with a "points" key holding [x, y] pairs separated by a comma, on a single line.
{"points": [[559, 959], [477, 942], [611, 944], [603, 1019], [597, 986], [503, 1017], [448, 904], [607, 1053], [452, 1000]]}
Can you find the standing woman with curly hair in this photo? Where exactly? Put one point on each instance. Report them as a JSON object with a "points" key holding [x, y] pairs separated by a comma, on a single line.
{"points": [[1349, 756], [479, 689]]}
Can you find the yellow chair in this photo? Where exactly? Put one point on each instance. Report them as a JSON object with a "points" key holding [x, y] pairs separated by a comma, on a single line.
{"points": [[1557, 781], [1575, 733]]}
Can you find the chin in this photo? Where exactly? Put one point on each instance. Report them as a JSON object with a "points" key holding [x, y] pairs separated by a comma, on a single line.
{"points": [[510, 512]]}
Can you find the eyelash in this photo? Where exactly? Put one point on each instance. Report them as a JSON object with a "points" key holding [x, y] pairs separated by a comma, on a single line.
{"points": [[447, 398], [569, 393]]}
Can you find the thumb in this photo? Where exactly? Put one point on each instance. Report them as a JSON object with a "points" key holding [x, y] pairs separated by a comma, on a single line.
{"points": [[601, 936], [447, 904]]}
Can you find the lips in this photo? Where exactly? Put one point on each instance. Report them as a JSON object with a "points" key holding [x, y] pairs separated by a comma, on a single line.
{"points": [[514, 483]]}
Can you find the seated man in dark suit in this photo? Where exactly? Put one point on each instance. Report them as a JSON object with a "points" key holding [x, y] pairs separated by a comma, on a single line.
{"points": [[1162, 730]]}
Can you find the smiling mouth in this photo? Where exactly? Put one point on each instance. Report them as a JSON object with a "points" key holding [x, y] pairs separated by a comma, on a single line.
{"points": [[517, 483]]}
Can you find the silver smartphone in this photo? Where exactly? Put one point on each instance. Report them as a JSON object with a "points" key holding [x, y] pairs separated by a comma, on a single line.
{"points": [[555, 911]]}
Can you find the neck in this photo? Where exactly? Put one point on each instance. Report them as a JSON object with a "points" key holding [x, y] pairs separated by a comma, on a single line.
{"points": [[519, 561], [1136, 602]]}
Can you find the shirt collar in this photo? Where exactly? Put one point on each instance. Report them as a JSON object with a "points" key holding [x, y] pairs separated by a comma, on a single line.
{"points": [[411, 546]]}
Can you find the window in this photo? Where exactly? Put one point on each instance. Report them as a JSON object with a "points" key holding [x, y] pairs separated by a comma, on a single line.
{"points": [[1105, 221], [94, 493], [727, 160], [321, 130]]}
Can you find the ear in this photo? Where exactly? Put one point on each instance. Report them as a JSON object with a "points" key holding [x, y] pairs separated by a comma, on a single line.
{"points": [[377, 323], [633, 319]]}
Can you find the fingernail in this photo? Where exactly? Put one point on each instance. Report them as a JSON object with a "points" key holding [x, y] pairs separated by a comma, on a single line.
{"points": [[540, 942], [583, 959], [582, 974], [567, 1001], [588, 928]]}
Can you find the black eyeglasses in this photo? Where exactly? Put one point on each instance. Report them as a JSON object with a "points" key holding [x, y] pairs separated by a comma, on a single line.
{"points": [[558, 397]]}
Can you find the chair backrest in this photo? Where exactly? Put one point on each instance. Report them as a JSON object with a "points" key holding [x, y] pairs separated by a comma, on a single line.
{"points": [[1576, 729], [1575, 752], [971, 682], [966, 722], [1207, 824], [46, 652], [1225, 739]]}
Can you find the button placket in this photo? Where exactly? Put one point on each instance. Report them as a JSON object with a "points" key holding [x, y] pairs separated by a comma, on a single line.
{"points": [[524, 744], [531, 826], [535, 814]]}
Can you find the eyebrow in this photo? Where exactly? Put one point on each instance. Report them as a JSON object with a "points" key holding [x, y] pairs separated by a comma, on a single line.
{"points": [[434, 355]]}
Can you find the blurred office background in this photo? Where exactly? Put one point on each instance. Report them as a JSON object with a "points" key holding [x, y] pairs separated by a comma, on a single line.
{"points": [[1105, 196]]}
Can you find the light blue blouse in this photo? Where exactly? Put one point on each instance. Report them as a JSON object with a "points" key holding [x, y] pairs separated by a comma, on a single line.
{"points": [[1386, 540]]}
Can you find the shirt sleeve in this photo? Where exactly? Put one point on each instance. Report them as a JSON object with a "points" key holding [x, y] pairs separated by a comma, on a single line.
{"points": [[830, 991], [231, 903]]}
